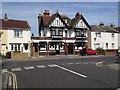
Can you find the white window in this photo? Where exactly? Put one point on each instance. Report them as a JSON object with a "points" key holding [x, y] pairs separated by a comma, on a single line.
{"points": [[113, 35], [15, 47], [98, 34], [97, 45], [11, 47], [18, 33], [113, 45]]}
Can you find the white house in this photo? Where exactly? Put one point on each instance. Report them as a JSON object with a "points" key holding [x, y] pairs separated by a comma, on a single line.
{"points": [[15, 37], [103, 37], [60, 34]]}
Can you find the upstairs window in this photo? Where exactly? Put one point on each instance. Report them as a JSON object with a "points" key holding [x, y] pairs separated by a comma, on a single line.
{"points": [[60, 32], [112, 35], [98, 34], [77, 33], [18, 33]]}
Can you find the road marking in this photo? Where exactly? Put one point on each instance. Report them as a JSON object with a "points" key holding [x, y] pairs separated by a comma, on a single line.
{"points": [[69, 63], [72, 71], [93, 62], [41, 66], [52, 65], [14, 80], [78, 63], [85, 62], [29, 68], [99, 64], [10, 81], [4, 70], [16, 69]]}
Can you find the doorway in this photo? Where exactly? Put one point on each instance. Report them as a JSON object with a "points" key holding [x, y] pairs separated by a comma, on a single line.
{"points": [[70, 48]]}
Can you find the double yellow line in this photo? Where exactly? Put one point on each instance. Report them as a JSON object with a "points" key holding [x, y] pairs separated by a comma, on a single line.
{"points": [[14, 83]]}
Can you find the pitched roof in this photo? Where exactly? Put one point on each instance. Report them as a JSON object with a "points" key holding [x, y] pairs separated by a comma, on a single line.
{"points": [[117, 28], [76, 19], [95, 28], [73, 21], [48, 19], [14, 23], [102, 28]]}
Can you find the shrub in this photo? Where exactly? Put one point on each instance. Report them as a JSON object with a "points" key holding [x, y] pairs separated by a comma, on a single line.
{"points": [[8, 55], [100, 50]]}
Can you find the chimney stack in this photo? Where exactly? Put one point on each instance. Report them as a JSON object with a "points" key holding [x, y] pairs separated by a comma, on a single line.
{"points": [[5, 17], [46, 12], [112, 25], [101, 24], [77, 14]]}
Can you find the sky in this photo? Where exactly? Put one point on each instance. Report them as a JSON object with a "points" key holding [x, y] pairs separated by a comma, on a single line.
{"points": [[94, 12]]}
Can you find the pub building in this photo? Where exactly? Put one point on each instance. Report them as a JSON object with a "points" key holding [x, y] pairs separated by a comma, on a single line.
{"points": [[59, 35]]}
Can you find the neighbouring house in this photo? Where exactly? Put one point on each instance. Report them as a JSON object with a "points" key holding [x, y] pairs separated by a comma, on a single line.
{"points": [[105, 37], [58, 34], [15, 35], [118, 28]]}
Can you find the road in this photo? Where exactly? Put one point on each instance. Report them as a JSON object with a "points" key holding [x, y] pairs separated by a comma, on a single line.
{"points": [[64, 73]]}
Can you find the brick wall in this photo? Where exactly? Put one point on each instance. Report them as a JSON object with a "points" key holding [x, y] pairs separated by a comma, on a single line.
{"points": [[19, 55]]}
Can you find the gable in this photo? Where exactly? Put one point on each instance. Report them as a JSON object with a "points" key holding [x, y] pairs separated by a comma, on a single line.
{"points": [[57, 22], [81, 24]]}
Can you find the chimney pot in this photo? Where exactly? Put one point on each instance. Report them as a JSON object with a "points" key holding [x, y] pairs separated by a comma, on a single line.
{"points": [[5, 17], [77, 14]]}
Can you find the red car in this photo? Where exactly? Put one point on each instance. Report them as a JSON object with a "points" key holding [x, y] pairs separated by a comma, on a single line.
{"points": [[90, 51], [87, 51]]}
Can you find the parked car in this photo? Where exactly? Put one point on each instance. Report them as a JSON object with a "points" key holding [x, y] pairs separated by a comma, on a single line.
{"points": [[118, 52], [87, 51]]}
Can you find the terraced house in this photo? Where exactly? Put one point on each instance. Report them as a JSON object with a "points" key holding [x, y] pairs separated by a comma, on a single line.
{"points": [[58, 34], [106, 37], [15, 35]]}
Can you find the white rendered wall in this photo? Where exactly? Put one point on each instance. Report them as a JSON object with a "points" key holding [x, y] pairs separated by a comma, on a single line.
{"points": [[105, 38], [14, 40]]}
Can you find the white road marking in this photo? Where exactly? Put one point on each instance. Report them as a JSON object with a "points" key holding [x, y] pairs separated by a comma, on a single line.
{"points": [[4, 70], [72, 71], [41, 66], [53, 65], [9, 81], [29, 68], [85, 62], [69, 63], [15, 69], [78, 63]]}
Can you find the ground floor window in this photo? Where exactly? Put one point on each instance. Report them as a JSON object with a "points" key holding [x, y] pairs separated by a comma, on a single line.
{"points": [[97, 45], [15, 47], [43, 46], [26, 46], [113, 45]]}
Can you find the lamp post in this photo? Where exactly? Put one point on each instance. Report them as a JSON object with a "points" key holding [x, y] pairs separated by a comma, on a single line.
{"points": [[82, 40], [28, 50]]}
